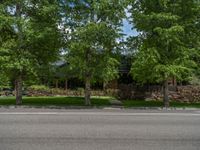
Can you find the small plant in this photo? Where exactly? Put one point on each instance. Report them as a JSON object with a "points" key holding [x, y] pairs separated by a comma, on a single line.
{"points": [[5, 87], [80, 91], [38, 88], [194, 80]]}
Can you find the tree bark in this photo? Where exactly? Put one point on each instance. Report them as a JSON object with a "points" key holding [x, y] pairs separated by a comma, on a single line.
{"points": [[174, 82], [56, 83], [18, 81], [66, 84], [18, 89], [165, 93], [87, 91], [104, 85]]}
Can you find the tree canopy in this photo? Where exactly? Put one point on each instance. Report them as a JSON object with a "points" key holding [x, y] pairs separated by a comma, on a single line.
{"points": [[166, 29], [93, 42], [29, 37], [35, 34]]}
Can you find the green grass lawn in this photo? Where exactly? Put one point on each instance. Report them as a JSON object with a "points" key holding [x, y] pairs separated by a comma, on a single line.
{"points": [[57, 101], [96, 101], [142, 103]]}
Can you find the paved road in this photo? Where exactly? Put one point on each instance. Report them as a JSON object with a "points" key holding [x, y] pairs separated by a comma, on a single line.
{"points": [[99, 130]]}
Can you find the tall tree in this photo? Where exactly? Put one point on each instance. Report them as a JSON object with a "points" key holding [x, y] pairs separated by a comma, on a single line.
{"points": [[29, 37], [93, 41], [164, 26]]}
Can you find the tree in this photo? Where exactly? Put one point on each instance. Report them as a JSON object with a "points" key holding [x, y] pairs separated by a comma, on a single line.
{"points": [[29, 37], [4, 81], [91, 52], [93, 42], [190, 14], [163, 53]]}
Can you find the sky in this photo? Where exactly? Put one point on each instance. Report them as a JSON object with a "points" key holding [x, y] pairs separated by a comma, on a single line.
{"points": [[128, 28]]}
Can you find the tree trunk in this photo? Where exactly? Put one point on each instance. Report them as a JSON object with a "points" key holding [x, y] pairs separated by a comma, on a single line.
{"points": [[104, 85], [66, 84], [165, 93], [56, 82], [18, 81], [18, 90], [174, 82], [87, 91]]}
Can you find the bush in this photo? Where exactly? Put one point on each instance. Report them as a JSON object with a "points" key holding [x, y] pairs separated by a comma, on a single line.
{"points": [[39, 88], [130, 91], [56, 91], [5, 88], [80, 91], [111, 92], [125, 92], [194, 81]]}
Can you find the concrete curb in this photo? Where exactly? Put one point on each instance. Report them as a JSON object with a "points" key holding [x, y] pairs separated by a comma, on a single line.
{"points": [[62, 107], [162, 108], [99, 107]]}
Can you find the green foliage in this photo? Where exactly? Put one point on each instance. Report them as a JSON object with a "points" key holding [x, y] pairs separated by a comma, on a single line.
{"points": [[39, 87], [142, 103], [4, 80], [56, 101], [29, 35], [92, 42], [81, 90], [91, 51], [163, 27], [92, 45], [194, 80]]}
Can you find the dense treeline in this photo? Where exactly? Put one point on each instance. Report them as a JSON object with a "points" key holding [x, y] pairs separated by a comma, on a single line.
{"points": [[35, 34]]}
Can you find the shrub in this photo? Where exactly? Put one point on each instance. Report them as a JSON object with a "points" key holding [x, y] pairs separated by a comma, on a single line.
{"points": [[111, 92], [130, 91], [38, 88], [56, 91], [80, 91], [195, 81], [5, 87]]}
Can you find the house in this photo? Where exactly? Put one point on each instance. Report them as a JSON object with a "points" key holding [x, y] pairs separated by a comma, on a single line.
{"points": [[64, 78]]}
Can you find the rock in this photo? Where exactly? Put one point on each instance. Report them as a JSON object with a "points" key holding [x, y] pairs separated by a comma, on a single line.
{"points": [[115, 102]]}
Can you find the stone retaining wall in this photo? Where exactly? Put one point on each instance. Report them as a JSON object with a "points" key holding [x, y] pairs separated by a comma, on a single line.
{"points": [[182, 94]]}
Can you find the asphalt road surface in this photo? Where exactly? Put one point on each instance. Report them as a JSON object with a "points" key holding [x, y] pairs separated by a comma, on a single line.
{"points": [[99, 130]]}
